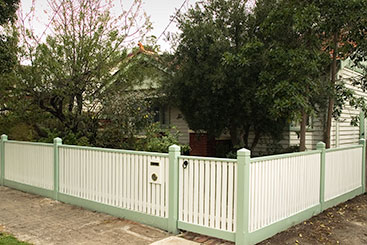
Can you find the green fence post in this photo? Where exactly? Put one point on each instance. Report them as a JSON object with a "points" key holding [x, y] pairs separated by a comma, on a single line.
{"points": [[243, 196], [361, 125], [4, 138], [363, 143], [321, 146], [174, 153], [57, 142]]}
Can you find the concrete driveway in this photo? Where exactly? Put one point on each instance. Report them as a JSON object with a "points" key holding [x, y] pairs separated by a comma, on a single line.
{"points": [[40, 220]]}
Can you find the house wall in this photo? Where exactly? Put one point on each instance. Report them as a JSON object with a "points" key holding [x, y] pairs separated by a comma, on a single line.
{"points": [[176, 119], [343, 133], [265, 145], [313, 134]]}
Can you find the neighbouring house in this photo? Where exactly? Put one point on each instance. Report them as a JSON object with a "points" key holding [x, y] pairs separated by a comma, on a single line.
{"points": [[342, 132]]}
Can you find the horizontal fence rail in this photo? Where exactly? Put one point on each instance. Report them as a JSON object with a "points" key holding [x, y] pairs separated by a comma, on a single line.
{"points": [[114, 178], [29, 163], [208, 192], [343, 171], [245, 200], [282, 187]]}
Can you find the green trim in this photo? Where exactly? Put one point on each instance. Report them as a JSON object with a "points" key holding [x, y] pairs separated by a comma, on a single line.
{"points": [[345, 197], [287, 155], [209, 158], [29, 188], [173, 185], [226, 235], [361, 125], [363, 143], [29, 143], [3, 139], [271, 230], [115, 150], [343, 148], [243, 196], [322, 146], [57, 143], [147, 219]]}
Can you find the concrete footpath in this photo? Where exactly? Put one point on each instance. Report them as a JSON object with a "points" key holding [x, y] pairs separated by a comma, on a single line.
{"points": [[40, 220]]}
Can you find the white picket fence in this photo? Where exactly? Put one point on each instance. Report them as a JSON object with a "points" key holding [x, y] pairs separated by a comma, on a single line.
{"points": [[197, 194], [30, 163], [282, 187], [115, 178], [343, 171]]}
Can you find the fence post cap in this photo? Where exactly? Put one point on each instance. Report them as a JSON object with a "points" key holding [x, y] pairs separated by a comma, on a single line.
{"points": [[362, 141], [174, 148], [57, 141], [320, 145], [243, 152], [4, 137]]}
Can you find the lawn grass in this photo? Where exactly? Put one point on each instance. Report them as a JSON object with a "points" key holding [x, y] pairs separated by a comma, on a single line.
{"points": [[10, 240]]}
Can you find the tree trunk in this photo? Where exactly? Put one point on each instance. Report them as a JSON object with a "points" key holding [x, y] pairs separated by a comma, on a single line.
{"points": [[246, 135], [331, 97], [302, 134], [256, 140], [236, 137]]}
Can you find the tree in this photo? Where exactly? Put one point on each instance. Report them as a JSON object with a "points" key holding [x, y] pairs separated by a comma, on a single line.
{"points": [[7, 10], [8, 49], [341, 30], [76, 68], [7, 42], [215, 75], [294, 69]]}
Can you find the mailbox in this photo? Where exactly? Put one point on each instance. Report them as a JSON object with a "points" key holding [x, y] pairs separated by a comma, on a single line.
{"points": [[155, 172]]}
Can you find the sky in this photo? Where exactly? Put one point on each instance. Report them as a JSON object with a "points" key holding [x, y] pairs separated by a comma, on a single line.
{"points": [[160, 12]]}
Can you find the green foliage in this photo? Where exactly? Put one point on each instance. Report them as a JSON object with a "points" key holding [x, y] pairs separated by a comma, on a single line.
{"points": [[158, 139], [7, 10], [215, 73], [8, 49], [75, 72], [295, 65], [125, 116], [10, 240]]}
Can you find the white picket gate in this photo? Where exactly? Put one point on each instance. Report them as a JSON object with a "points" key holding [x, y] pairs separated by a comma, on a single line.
{"points": [[207, 192]]}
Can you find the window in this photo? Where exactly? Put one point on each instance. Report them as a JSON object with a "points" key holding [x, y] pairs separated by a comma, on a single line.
{"points": [[160, 114]]}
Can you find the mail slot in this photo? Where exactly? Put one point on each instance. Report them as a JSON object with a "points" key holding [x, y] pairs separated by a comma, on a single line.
{"points": [[155, 172]]}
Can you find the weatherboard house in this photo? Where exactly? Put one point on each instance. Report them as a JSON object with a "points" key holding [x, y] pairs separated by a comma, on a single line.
{"points": [[342, 132]]}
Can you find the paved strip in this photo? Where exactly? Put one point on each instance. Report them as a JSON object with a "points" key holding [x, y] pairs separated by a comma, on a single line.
{"points": [[40, 220], [174, 240]]}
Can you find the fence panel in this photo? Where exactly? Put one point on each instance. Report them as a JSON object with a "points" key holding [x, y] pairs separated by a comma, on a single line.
{"points": [[30, 163], [207, 191], [114, 177], [281, 187], [342, 171]]}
